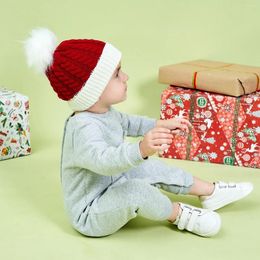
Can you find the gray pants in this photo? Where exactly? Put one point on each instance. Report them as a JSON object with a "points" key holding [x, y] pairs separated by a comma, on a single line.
{"points": [[136, 192]]}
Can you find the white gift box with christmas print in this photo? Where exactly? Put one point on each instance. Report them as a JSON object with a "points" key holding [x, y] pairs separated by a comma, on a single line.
{"points": [[14, 125]]}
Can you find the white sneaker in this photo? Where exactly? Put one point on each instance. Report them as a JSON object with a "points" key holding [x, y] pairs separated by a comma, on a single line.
{"points": [[202, 222], [226, 193]]}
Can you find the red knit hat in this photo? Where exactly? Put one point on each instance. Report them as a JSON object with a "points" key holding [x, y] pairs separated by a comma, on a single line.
{"points": [[78, 69]]}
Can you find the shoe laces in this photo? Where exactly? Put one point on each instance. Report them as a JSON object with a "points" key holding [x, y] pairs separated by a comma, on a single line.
{"points": [[224, 185]]}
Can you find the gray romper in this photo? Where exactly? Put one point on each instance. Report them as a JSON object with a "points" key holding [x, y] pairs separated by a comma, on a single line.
{"points": [[105, 180]]}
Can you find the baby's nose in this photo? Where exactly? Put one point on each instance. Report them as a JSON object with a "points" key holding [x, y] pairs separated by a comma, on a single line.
{"points": [[125, 77]]}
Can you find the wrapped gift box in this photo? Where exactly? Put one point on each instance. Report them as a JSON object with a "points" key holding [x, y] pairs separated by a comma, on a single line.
{"points": [[14, 125], [225, 129], [212, 76]]}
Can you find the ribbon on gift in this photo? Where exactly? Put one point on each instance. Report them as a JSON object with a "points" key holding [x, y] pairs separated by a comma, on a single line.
{"points": [[191, 117], [257, 79], [229, 159], [217, 77], [235, 126], [195, 76]]}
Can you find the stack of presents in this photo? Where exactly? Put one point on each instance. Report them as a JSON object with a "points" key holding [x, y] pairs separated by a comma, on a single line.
{"points": [[222, 101], [14, 125]]}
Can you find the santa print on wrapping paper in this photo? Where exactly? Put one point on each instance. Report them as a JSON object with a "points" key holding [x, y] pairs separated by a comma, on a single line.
{"points": [[225, 129]]}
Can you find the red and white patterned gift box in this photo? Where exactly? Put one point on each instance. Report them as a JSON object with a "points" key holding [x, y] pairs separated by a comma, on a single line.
{"points": [[225, 129], [14, 125]]}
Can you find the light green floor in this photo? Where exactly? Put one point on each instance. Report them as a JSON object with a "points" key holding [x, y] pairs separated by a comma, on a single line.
{"points": [[34, 226], [150, 34]]}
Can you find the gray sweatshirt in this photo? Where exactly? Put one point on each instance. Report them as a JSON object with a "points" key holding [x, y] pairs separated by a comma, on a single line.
{"points": [[95, 154]]}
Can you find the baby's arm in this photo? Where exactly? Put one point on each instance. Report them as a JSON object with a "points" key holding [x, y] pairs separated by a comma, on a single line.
{"points": [[139, 125], [92, 152], [136, 125], [174, 124]]}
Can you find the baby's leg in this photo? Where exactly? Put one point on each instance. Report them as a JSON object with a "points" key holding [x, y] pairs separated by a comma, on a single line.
{"points": [[124, 201], [178, 181], [161, 175], [171, 179], [201, 187], [121, 203]]}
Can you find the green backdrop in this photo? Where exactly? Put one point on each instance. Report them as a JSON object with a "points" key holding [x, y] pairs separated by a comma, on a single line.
{"points": [[150, 33]]}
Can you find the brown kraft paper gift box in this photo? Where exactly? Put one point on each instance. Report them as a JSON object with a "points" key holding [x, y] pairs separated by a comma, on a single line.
{"points": [[219, 77]]}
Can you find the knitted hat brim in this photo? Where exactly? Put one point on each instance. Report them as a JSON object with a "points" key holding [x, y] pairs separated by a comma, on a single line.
{"points": [[91, 91]]}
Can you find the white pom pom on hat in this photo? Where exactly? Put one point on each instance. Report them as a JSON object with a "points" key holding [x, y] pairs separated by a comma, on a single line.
{"points": [[39, 49]]}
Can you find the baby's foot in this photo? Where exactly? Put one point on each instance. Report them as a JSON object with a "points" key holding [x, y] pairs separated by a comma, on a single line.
{"points": [[225, 193], [202, 222]]}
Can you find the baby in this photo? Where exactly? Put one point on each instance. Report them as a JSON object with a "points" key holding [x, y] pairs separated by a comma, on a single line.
{"points": [[106, 180]]}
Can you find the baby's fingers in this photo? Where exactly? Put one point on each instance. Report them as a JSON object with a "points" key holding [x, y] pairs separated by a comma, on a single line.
{"points": [[162, 148], [160, 130], [176, 131], [185, 121], [162, 141]]}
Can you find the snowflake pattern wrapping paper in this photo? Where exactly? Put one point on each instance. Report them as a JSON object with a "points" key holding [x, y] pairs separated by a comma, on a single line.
{"points": [[14, 125], [225, 129]]}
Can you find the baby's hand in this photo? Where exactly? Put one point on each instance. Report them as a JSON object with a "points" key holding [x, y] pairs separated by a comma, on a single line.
{"points": [[175, 124], [154, 140]]}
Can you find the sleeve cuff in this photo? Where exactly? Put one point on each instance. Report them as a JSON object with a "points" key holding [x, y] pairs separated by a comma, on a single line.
{"points": [[135, 156]]}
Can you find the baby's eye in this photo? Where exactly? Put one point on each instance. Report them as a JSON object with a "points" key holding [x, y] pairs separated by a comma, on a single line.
{"points": [[117, 74]]}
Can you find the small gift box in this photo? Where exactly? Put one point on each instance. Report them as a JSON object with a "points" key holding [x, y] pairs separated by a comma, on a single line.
{"points": [[218, 77], [225, 129], [14, 124]]}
